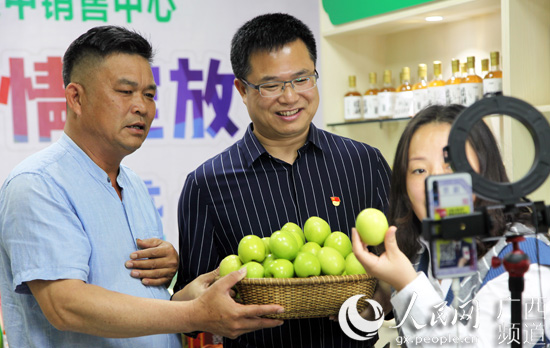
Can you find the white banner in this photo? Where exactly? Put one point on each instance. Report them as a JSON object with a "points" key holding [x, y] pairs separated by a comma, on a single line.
{"points": [[199, 112]]}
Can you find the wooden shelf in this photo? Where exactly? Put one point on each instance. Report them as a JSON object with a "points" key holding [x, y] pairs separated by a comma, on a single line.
{"points": [[413, 17], [378, 120]]}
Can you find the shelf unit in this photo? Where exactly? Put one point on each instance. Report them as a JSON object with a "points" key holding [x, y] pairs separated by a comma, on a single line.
{"points": [[518, 29], [378, 120]]}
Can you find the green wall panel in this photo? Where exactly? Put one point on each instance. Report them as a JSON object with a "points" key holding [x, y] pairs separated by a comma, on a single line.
{"points": [[344, 11]]}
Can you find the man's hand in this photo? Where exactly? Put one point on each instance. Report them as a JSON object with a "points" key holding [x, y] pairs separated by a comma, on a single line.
{"points": [[156, 263], [197, 287], [216, 311]]}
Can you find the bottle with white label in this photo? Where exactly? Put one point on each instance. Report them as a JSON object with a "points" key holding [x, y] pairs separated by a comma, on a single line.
{"points": [[484, 67], [420, 90], [471, 88], [352, 102], [404, 96], [492, 82], [370, 99], [436, 87], [452, 85], [386, 97]]}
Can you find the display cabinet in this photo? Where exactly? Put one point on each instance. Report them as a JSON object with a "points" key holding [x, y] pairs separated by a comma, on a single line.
{"points": [[518, 29]]}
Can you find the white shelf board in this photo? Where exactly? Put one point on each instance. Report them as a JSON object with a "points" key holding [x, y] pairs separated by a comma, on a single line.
{"points": [[414, 17]]}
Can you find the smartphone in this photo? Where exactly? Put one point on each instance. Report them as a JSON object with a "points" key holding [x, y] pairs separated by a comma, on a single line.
{"points": [[449, 195]]}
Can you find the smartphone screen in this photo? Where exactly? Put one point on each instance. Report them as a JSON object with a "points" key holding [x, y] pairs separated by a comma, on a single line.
{"points": [[448, 195]]}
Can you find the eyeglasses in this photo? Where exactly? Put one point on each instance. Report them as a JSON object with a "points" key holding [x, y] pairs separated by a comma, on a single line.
{"points": [[276, 88]]}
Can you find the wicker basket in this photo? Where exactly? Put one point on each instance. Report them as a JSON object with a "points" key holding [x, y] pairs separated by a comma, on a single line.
{"points": [[311, 297]]}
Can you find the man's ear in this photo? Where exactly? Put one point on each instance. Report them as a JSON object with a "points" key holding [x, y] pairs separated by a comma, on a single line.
{"points": [[73, 95], [241, 87]]}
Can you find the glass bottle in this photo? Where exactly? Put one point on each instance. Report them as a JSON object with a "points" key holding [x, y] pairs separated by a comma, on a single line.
{"points": [[484, 66], [463, 70], [492, 82], [436, 87], [420, 89], [386, 97], [404, 96], [352, 101], [452, 85], [471, 88], [370, 99]]}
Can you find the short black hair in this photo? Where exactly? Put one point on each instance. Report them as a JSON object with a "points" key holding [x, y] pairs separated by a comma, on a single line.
{"points": [[102, 41], [267, 32]]}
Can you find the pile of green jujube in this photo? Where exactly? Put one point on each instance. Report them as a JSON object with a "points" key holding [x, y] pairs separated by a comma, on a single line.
{"points": [[293, 252]]}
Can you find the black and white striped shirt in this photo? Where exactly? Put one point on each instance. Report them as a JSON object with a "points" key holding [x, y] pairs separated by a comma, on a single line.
{"points": [[244, 190]]}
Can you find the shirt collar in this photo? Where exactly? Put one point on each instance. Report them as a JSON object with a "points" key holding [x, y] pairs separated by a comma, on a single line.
{"points": [[252, 148], [84, 160], [314, 137]]}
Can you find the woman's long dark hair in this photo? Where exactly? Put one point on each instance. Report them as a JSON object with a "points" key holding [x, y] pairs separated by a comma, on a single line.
{"points": [[401, 213]]}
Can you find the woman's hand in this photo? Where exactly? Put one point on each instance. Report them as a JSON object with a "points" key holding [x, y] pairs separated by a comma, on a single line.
{"points": [[392, 267]]}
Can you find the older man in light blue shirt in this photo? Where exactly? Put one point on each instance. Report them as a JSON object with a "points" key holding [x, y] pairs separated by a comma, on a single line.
{"points": [[70, 216], [71, 233]]}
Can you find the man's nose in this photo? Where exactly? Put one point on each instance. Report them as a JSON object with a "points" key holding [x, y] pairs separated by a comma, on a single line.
{"points": [[288, 91]]}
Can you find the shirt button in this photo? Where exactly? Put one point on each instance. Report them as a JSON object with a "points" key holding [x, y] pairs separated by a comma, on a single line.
{"points": [[109, 180]]}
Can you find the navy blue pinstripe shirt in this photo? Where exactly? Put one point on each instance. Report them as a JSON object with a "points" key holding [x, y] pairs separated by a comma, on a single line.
{"points": [[244, 190]]}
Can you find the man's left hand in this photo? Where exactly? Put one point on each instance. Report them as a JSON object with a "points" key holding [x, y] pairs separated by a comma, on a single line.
{"points": [[156, 263]]}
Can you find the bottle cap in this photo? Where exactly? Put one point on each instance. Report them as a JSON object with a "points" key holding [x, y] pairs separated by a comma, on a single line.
{"points": [[485, 64], [471, 62], [372, 77], [455, 65], [406, 73], [437, 68], [495, 57], [422, 70], [387, 76]]}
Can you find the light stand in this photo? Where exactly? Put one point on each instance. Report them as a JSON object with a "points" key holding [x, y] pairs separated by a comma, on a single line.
{"points": [[509, 195], [516, 263]]}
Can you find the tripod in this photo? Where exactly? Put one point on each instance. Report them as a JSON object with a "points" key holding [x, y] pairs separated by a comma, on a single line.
{"points": [[516, 264]]}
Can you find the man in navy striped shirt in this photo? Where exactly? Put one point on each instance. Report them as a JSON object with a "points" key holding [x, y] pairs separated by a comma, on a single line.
{"points": [[283, 169]]}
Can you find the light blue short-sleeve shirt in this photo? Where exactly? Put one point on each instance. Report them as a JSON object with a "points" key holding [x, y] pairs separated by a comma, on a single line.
{"points": [[60, 218]]}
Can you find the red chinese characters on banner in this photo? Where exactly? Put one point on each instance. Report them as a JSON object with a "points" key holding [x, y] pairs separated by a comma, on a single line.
{"points": [[36, 97], [48, 92], [4, 89]]}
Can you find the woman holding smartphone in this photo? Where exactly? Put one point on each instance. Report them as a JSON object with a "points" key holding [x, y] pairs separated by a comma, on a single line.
{"points": [[482, 316]]}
